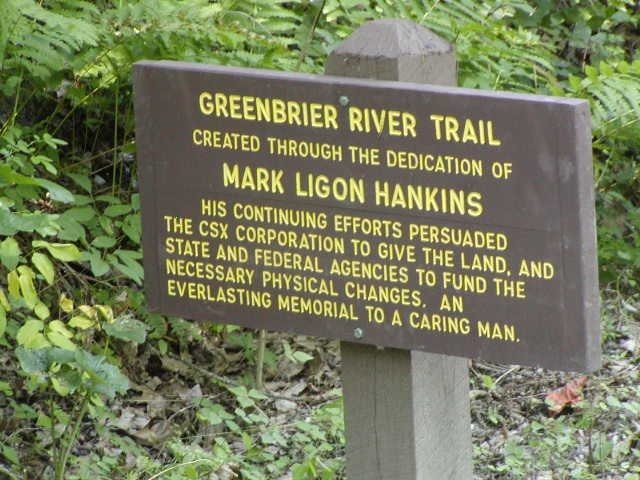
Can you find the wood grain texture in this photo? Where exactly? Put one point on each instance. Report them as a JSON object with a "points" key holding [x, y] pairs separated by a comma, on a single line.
{"points": [[406, 412]]}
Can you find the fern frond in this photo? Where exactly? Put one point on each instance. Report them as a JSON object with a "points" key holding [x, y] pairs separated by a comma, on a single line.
{"points": [[492, 54], [42, 40], [615, 100]]}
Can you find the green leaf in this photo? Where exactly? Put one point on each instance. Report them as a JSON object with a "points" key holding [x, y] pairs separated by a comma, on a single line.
{"points": [[81, 322], [129, 266], [69, 379], [39, 360], [82, 200], [9, 176], [29, 334], [257, 394], [3, 320], [214, 414], [302, 357], [98, 266], [52, 141], [108, 199], [26, 270], [60, 387], [105, 312], [32, 360], [41, 311], [66, 252], [117, 210], [127, 328], [106, 224], [487, 382], [132, 228], [13, 281], [9, 253], [4, 302], [58, 193], [81, 180], [44, 266], [29, 293], [12, 223], [128, 255], [5, 388], [103, 242], [103, 378], [242, 396], [46, 162], [88, 311], [70, 230], [135, 201], [44, 421], [80, 214], [59, 340], [58, 326], [132, 270], [65, 303], [60, 355], [11, 454]]}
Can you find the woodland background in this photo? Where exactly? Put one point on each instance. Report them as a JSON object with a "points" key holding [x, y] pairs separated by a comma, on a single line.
{"points": [[93, 386]]}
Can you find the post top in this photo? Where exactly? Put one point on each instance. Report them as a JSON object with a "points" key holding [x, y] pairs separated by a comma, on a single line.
{"points": [[392, 38]]}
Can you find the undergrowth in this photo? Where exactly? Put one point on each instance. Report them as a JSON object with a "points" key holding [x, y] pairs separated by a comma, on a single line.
{"points": [[72, 320]]}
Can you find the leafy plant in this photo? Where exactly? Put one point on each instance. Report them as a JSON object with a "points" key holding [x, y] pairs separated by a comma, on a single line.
{"points": [[38, 41], [54, 360]]}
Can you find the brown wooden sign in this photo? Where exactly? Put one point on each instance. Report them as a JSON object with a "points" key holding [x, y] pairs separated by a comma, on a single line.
{"points": [[441, 219]]}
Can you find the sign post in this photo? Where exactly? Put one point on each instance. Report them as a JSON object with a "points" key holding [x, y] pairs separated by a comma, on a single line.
{"points": [[407, 413], [418, 224]]}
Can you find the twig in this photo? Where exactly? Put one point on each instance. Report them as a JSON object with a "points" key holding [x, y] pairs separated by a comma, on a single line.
{"points": [[312, 31], [197, 368], [12, 475], [60, 468], [173, 467], [262, 346], [501, 377], [229, 381]]}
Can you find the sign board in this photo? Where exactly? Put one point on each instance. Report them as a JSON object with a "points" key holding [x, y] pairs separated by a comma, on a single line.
{"points": [[418, 217]]}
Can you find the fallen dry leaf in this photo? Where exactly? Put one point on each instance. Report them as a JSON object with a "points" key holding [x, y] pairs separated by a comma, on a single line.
{"points": [[283, 405], [565, 396], [156, 434]]}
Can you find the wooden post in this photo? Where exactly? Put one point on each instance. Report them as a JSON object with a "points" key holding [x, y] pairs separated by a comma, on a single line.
{"points": [[406, 412]]}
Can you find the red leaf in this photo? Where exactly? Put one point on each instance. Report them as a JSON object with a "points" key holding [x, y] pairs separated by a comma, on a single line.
{"points": [[565, 396]]}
